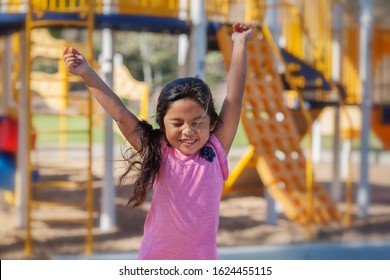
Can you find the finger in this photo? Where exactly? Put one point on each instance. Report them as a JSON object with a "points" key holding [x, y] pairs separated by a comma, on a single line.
{"points": [[240, 28], [70, 50], [71, 62], [68, 56], [236, 27]]}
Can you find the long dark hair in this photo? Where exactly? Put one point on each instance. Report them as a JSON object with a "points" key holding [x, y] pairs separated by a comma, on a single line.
{"points": [[146, 162]]}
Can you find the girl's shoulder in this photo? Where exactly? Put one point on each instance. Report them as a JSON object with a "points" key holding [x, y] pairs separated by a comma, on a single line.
{"points": [[220, 153], [216, 144]]}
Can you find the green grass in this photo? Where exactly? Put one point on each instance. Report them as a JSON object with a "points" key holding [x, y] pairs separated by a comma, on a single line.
{"points": [[47, 123], [240, 140]]}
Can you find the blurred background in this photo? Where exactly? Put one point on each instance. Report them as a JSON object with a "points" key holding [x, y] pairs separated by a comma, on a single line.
{"points": [[309, 165]]}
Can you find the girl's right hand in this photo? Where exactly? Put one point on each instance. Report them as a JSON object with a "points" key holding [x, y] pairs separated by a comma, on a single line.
{"points": [[75, 62]]}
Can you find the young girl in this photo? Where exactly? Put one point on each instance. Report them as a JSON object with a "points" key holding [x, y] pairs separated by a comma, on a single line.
{"points": [[184, 161]]}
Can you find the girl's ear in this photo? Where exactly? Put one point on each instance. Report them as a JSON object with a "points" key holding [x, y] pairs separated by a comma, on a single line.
{"points": [[212, 127]]}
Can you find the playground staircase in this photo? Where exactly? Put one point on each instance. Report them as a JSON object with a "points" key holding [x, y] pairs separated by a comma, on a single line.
{"points": [[380, 123], [380, 114], [274, 151], [67, 115], [316, 90]]}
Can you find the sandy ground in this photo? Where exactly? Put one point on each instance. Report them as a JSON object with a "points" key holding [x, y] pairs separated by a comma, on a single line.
{"points": [[242, 222]]}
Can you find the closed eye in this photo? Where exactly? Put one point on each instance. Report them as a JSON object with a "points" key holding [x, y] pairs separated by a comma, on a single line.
{"points": [[177, 124]]}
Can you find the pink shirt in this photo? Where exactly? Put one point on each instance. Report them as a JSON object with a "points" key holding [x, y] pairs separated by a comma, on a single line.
{"points": [[183, 220]]}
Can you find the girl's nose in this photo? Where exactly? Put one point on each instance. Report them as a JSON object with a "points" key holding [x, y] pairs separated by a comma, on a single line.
{"points": [[187, 130]]}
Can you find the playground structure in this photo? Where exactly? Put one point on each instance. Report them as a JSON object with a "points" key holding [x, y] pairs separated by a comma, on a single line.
{"points": [[279, 107]]}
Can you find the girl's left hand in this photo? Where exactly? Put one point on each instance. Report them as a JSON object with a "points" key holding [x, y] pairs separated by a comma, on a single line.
{"points": [[241, 31]]}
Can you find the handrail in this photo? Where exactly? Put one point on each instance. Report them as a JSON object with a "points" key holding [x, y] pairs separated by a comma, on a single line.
{"points": [[64, 6], [300, 35], [223, 11], [12, 6], [168, 8]]}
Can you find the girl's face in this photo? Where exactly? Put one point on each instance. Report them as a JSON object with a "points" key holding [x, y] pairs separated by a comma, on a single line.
{"points": [[187, 125]]}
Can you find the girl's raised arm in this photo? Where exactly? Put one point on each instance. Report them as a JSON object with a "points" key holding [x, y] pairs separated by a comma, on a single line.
{"points": [[111, 103], [231, 107]]}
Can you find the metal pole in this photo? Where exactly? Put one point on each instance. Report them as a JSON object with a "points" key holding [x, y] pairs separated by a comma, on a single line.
{"points": [[7, 73], [22, 174], [198, 37], [363, 192], [335, 189], [272, 21], [108, 215], [183, 42], [316, 139]]}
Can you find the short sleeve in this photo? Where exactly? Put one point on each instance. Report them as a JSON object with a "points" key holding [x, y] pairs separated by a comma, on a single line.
{"points": [[222, 158]]}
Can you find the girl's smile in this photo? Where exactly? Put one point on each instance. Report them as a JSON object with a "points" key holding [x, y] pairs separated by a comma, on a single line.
{"points": [[187, 125]]}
